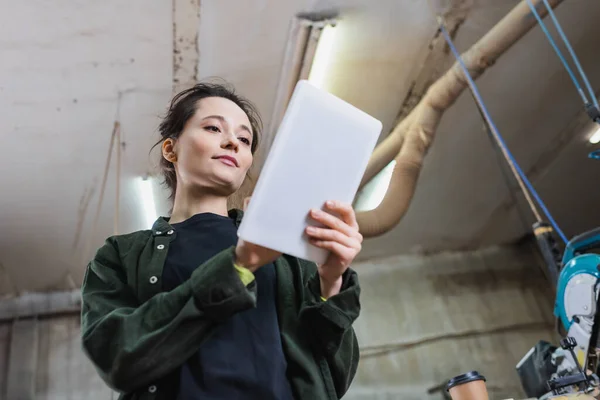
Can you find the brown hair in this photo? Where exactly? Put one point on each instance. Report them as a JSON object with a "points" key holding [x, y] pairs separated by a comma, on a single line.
{"points": [[184, 106]]}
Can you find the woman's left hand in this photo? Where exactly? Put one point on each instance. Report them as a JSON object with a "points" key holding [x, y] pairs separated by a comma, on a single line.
{"points": [[341, 237]]}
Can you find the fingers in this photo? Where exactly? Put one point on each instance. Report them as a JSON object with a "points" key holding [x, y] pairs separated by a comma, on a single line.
{"points": [[340, 238], [345, 211], [324, 234], [336, 224], [344, 254], [334, 247]]}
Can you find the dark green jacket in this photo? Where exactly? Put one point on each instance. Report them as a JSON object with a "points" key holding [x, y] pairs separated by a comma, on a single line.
{"points": [[138, 336]]}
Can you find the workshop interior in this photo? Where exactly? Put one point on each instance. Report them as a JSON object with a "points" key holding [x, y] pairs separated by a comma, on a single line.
{"points": [[480, 205]]}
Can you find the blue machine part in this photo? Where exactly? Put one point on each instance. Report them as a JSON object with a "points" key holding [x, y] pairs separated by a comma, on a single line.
{"points": [[574, 263], [583, 264], [580, 244]]}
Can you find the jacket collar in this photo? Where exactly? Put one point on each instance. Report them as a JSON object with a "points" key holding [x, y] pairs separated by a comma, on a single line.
{"points": [[161, 226]]}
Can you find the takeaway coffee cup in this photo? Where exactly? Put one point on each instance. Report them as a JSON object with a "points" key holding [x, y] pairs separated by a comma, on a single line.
{"points": [[469, 386]]}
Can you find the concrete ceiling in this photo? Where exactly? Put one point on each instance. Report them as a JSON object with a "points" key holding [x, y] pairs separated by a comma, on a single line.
{"points": [[63, 65]]}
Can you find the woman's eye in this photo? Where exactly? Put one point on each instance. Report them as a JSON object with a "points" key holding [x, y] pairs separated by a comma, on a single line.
{"points": [[245, 141], [213, 128]]}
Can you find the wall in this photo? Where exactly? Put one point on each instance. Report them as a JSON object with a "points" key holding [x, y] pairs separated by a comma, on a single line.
{"points": [[424, 320], [427, 319], [42, 360]]}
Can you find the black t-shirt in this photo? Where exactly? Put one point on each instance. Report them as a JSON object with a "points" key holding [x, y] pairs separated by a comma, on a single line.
{"points": [[243, 359]]}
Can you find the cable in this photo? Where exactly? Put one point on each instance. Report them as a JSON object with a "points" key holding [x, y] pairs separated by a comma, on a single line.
{"points": [[573, 55], [497, 135], [498, 153], [514, 165], [513, 169], [558, 52]]}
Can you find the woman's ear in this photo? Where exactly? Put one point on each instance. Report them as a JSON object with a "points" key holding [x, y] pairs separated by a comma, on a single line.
{"points": [[168, 150]]}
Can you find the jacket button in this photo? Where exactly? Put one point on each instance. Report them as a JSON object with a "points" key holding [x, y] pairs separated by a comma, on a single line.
{"points": [[152, 389], [170, 232], [153, 279], [160, 246]]}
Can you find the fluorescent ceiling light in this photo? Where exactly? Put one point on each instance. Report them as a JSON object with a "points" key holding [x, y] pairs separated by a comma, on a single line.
{"points": [[373, 192], [595, 138], [318, 71], [148, 206], [303, 42]]}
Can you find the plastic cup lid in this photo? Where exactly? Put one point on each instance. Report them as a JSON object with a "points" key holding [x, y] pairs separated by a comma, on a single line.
{"points": [[464, 378]]}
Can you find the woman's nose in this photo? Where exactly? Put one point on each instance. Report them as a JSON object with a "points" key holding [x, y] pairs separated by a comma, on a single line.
{"points": [[230, 142]]}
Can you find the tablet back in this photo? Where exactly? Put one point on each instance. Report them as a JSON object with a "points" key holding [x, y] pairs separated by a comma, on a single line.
{"points": [[320, 153]]}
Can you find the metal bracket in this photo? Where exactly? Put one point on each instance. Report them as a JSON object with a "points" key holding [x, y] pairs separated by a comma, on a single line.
{"points": [[556, 384], [593, 112]]}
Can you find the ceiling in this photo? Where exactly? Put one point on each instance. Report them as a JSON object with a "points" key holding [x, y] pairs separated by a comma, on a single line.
{"points": [[63, 66]]}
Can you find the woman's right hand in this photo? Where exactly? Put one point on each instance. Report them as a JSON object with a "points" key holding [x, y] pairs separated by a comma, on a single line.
{"points": [[253, 256]]}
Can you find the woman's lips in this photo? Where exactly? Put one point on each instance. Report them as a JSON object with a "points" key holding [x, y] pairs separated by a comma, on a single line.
{"points": [[228, 160]]}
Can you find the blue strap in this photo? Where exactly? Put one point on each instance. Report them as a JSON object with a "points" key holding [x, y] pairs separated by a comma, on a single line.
{"points": [[558, 52], [497, 135], [573, 55]]}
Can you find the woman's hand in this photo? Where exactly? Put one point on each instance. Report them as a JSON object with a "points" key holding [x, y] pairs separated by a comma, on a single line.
{"points": [[341, 237], [253, 256]]}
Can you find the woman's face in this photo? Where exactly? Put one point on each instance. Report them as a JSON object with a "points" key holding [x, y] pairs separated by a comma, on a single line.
{"points": [[213, 153]]}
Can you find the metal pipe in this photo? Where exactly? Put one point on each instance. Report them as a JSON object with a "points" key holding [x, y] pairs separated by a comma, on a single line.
{"points": [[416, 136]]}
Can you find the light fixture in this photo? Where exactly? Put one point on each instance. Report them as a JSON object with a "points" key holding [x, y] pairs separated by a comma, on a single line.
{"points": [[318, 71], [306, 56], [147, 195], [372, 193], [595, 138]]}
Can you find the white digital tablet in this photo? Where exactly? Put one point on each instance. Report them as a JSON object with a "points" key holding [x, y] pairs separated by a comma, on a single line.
{"points": [[320, 153]]}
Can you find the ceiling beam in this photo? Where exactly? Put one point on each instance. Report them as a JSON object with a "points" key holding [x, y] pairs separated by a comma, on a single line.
{"points": [[40, 304], [186, 54]]}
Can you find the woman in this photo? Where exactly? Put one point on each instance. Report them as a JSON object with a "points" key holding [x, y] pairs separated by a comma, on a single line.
{"points": [[187, 311]]}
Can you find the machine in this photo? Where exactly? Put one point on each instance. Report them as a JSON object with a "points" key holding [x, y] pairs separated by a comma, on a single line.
{"points": [[546, 370]]}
